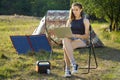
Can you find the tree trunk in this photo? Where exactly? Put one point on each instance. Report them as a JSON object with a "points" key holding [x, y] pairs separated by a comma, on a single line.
{"points": [[111, 25], [114, 26]]}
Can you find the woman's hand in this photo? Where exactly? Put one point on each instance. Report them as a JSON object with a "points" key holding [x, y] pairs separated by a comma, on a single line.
{"points": [[76, 35], [86, 36]]}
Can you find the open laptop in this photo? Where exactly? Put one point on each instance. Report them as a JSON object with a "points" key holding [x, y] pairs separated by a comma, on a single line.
{"points": [[63, 32]]}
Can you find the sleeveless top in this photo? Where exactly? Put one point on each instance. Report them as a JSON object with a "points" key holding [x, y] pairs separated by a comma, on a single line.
{"points": [[77, 27]]}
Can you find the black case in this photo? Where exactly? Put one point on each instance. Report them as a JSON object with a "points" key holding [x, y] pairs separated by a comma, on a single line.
{"points": [[43, 67]]}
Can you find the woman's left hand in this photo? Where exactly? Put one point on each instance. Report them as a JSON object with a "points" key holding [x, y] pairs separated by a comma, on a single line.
{"points": [[75, 35]]}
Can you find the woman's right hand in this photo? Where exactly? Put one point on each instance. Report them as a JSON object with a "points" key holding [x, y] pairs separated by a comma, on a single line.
{"points": [[74, 35], [77, 36]]}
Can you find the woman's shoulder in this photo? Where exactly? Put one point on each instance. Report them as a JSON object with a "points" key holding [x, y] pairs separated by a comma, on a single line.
{"points": [[86, 23], [85, 20]]}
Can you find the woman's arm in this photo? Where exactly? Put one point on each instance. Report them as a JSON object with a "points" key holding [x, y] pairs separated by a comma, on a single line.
{"points": [[86, 35], [68, 23]]}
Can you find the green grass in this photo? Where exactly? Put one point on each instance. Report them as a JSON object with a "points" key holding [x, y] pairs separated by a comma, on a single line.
{"points": [[22, 67]]}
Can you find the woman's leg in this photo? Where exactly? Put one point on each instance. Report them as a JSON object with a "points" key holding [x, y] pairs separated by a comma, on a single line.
{"points": [[68, 51], [67, 61], [78, 43], [68, 56]]}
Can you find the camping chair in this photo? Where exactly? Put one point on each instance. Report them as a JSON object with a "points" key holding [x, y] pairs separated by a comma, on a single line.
{"points": [[24, 44], [91, 51]]}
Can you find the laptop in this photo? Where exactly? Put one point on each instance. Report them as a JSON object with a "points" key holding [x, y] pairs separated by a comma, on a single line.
{"points": [[63, 32]]}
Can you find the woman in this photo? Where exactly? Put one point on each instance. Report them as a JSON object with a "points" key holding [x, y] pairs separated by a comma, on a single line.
{"points": [[80, 30]]}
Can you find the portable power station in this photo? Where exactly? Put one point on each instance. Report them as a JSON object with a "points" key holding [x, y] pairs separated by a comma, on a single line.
{"points": [[43, 67]]}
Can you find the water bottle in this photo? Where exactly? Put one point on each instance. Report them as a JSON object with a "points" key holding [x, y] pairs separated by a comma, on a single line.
{"points": [[48, 71]]}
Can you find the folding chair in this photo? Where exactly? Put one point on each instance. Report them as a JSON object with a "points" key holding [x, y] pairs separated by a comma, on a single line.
{"points": [[91, 51], [36, 43]]}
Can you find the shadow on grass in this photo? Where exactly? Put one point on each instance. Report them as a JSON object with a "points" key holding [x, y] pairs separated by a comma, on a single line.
{"points": [[2, 77], [108, 53], [58, 77]]}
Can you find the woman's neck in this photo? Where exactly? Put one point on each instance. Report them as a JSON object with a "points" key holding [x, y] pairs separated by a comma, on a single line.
{"points": [[77, 18]]}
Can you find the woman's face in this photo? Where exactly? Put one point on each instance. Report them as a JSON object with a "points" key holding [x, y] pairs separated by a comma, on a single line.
{"points": [[76, 11]]}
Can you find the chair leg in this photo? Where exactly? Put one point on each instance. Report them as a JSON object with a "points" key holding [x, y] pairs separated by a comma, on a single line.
{"points": [[94, 57], [89, 61], [91, 51]]}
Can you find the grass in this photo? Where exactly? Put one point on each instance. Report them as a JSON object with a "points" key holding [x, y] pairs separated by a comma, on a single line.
{"points": [[22, 67]]}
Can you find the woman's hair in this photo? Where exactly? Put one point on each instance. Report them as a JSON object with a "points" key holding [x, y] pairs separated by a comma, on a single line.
{"points": [[71, 15]]}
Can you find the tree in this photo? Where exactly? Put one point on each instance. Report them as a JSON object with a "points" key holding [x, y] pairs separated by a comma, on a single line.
{"points": [[40, 7], [111, 11], [31, 7], [107, 9]]}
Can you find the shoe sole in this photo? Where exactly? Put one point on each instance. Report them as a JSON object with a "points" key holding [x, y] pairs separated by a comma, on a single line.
{"points": [[75, 72], [67, 76]]}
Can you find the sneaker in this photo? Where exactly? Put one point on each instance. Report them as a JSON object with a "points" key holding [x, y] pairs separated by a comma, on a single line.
{"points": [[75, 68], [67, 74]]}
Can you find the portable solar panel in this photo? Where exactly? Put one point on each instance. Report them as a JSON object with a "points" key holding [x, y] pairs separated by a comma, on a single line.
{"points": [[24, 44]]}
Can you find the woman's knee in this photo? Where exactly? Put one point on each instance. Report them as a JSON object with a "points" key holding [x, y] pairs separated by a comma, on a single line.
{"points": [[65, 40]]}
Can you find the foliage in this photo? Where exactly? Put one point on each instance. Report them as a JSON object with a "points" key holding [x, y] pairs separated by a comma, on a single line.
{"points": [[111, 10], [107, 9], [31, 7], [15, 7]]}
